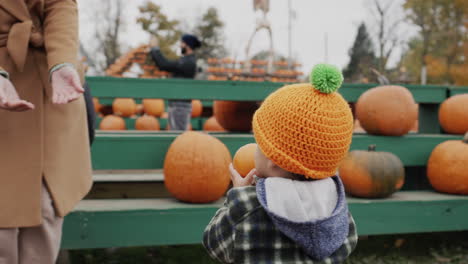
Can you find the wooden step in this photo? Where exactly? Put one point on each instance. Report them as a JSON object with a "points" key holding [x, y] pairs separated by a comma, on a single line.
{"points": [[144, 222]]}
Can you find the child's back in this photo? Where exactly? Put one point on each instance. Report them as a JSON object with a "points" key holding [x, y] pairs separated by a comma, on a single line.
{"points": [[297, 211]]}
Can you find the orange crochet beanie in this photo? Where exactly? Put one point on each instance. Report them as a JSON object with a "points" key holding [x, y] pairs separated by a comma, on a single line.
{"points": [[306, 128]]}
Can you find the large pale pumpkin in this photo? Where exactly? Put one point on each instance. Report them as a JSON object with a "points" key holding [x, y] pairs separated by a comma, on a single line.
{"points": [[197, 108], [387, 110], [244, 159], [371, 174], [154, 107], [112, 122], [212, 124], [453, 114], [125, 107], [196, 168], [447, 168], [235, 116], [147, 122]]}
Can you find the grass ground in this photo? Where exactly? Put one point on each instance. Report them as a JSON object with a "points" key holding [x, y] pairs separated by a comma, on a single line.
{"points": [[437, 248]]}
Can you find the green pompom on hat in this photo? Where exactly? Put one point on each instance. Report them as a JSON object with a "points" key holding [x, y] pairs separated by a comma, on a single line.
{"points": [[326, 78]]}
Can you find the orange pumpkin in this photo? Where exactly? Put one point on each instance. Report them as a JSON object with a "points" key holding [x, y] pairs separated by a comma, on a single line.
{"points": [[387, 110], [147, 122], [112, 122], [453, 114], [244, 159], [154, 107], [125, 107], [448, 166], [235, 116], [197, 108], [196, 168], [164, 115], [97, 105], [211, 124], [372, 174]]}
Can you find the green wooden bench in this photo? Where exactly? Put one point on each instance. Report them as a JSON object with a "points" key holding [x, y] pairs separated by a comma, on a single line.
{"points": [[128, 165]]}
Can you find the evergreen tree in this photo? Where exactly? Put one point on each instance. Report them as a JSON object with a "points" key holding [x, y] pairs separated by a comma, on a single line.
{"points": [[210, 31], [362, 57]]}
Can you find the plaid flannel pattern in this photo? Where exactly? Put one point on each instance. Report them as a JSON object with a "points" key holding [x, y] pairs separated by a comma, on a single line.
{"points": [[242, 232]]}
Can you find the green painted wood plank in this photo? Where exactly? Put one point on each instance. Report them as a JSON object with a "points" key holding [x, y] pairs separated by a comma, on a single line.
{"points": [[135, 222], [108, 87], [122, 151], [197, 123], [429, 119], [458, 90]]}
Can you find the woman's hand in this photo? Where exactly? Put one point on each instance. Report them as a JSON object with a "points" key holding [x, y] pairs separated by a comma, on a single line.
{"points": [[66, 85], [238, 180], [9, 98]]}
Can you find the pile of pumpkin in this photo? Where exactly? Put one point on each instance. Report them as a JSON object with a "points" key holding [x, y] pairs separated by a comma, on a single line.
{"points": [[392, 111], [385, 111], [227, 115]]}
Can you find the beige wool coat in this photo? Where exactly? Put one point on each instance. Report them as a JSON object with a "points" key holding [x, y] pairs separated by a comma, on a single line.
{"points": [[49, 143]]}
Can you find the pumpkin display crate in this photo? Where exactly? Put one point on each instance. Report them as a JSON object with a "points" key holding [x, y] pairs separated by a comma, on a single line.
{"points": [[129, 205]]}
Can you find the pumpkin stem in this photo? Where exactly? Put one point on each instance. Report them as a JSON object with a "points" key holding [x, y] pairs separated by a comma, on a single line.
{"points": [[465, 138], [372, 147]]}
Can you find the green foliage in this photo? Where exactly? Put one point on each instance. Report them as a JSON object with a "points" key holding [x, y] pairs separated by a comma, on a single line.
{"points": [[441, 41], [362, 57], [155, 22], [210, 31]]}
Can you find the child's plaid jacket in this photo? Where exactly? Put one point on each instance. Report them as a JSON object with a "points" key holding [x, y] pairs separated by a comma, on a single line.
{"points": [[242, 232]]}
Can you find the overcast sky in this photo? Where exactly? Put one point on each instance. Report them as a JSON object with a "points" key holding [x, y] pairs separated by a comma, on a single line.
{"points": [[338, 19]]}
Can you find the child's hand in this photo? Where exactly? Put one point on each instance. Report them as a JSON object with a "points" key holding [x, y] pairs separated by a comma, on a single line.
{"points": [[238, 180]]}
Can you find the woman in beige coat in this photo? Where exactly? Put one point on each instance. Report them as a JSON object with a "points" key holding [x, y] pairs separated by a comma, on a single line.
{"points": [[44, 153]]}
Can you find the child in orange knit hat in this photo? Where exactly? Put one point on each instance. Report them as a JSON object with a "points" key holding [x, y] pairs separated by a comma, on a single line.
{"points": [[297, 211]]}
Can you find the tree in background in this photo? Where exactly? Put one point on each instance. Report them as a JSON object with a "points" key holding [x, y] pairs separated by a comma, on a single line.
{"points": [[385, 30], [109, 20], [155, 22], [440, 47], [362, 57], [210, 31]]}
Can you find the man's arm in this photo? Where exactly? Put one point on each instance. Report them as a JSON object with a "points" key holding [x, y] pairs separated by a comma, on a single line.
{"points": [[165, 64]]}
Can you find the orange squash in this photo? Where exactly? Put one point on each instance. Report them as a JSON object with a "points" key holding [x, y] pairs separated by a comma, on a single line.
{"points": [[154, 107], [453, 114], [387, 110], [196, 168], [211, 124], [97, 105], [125, 107], [447, 168], [197, 108], [371, 174], [164, 115], [235, 116], [147, 122], [244, 159], [112, 122]]}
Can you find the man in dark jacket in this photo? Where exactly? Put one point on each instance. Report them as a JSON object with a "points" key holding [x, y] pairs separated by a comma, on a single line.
{"points": [[179, 110]]}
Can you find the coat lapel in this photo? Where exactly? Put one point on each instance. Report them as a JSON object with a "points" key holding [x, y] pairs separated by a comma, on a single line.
{"points": [[16, 8]]}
